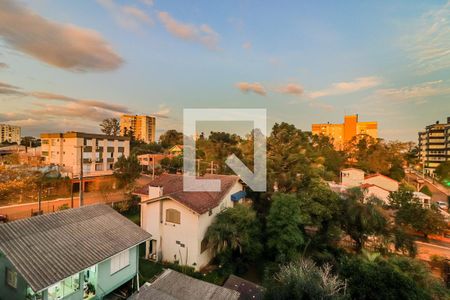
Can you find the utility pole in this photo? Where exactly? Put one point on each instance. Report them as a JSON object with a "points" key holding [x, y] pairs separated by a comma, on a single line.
{"points": [[198, 166], [81, 175], [211, 167], [153, 168]]}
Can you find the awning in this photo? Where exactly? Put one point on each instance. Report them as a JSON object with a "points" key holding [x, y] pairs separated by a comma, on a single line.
{"points": [[238, 196]]}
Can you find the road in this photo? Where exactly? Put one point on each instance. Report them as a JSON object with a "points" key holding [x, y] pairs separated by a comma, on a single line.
{"points": [[21, 211], [438, 193], [426, 250]]}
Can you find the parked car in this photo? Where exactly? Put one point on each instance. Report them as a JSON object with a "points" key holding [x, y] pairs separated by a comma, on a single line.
{"points": [[3, 219], [442, 205]]}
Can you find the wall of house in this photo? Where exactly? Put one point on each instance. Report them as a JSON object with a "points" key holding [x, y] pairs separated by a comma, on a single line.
{"points": [[384, 182], [205, 220], [352, 177], [7, 292], [107, 282], [377, 192]]}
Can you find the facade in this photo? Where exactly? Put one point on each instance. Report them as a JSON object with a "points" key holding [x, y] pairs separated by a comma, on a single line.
{"points": [[142, 128], [352, 177], [80, 253], [9, 133], [176, 150], [99, 152], [178, 220], [434, 146], [341, 134], [150, 161]]}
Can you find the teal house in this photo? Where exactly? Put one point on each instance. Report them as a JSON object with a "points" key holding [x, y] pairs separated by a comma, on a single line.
{"points": [[80, 253]]}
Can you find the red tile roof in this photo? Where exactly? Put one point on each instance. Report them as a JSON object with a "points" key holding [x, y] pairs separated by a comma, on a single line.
{"points": [[199, 202], [378, 174]]}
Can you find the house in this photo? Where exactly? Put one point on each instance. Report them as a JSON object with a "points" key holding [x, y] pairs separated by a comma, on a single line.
{"points": [[382, 181], [372, 190], [424, 199], [80, 253], [178, 220], [352, 177], [150, 161], [246, 289], [172, 285], [176, 150]]}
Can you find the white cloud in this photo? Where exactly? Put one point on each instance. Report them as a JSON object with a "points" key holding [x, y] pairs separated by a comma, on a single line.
{"points": [[255, 87], [202, 34], [128, 17], [147, 2], [415, 92], [322, 106], [72, 48], [247, 45], [291, 88], [429, 47], [346, 87]]}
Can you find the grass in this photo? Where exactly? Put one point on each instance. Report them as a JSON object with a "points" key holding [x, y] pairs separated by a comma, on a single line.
{"points": [[148, 270]]}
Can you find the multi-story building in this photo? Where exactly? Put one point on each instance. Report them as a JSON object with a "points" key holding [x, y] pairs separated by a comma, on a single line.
{"points": [[9, 133], [142, 128], [97, 151], [343, 133], [434, 145]]}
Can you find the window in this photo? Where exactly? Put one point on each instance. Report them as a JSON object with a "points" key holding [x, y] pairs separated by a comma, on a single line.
{"points": [[11, 278], [120, 261], [173, 216]]}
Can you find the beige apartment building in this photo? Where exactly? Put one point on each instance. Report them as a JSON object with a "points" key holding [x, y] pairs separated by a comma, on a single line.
{"points": [[434, 145], [97, 152], [9, 133], [341, 134], [143, 128]]}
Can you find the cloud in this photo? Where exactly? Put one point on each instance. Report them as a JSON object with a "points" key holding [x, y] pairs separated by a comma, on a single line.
{"points": [[128, 17], [347, 87], [415, 92], [291, 88], [147, 2], [10, 90], [162, 112], [322, 106], [4, 66], [83, 102], [202, 34], [251, 87], [429, 47], [72, 48], [247, 45]]}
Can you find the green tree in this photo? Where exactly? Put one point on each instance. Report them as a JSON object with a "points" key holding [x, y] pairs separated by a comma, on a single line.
{"points": [[411, 213], [171, 138], [235, 235], [302, 279], [110, 126], [285, 227], [443, 172], [127, 170], [361, 220]]}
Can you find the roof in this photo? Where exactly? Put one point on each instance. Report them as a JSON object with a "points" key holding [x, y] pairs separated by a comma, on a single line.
{"points": [[171, 285], [378, 174], [369, 185], [48, 248], [246, 289], [199, 202], [75, 134], [352, 169]]}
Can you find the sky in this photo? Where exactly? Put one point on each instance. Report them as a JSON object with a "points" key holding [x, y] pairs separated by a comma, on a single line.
{"points": [[66, 65]]}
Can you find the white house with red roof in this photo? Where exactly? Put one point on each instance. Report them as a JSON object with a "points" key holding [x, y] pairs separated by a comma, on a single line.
{"points": [[382, 181], [352, 177], [178, 220]]}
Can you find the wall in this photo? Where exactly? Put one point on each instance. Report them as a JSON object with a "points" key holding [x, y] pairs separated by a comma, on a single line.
{"points": [[352, 177], [7, 292], [377, 192], [107, 282]]}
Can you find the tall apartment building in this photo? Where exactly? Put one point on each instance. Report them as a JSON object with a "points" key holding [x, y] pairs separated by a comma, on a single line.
{"points": [[142, 127], [343, 133], [434, 145], [97, 151], [9, 133]]}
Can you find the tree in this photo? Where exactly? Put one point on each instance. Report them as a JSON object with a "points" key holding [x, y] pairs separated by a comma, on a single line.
{"points": [[110, 126], [171, 138], [235, 235], [361, 220], [172, 165], [443, 172], [285, 232], [390, 278], [30, 141], [127, 170], [302, 279], [410, 212]]}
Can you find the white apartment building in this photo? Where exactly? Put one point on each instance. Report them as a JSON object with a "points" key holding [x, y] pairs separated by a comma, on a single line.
{"points": [[9, 133], [178, 220], [434, 145], [97, 152], [142, 128]]}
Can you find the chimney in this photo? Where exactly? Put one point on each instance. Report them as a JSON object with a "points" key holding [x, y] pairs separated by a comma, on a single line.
{"points": [[155, 191]]}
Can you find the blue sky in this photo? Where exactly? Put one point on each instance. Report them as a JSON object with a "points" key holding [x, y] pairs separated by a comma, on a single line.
{"points": [[65, 65]]}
